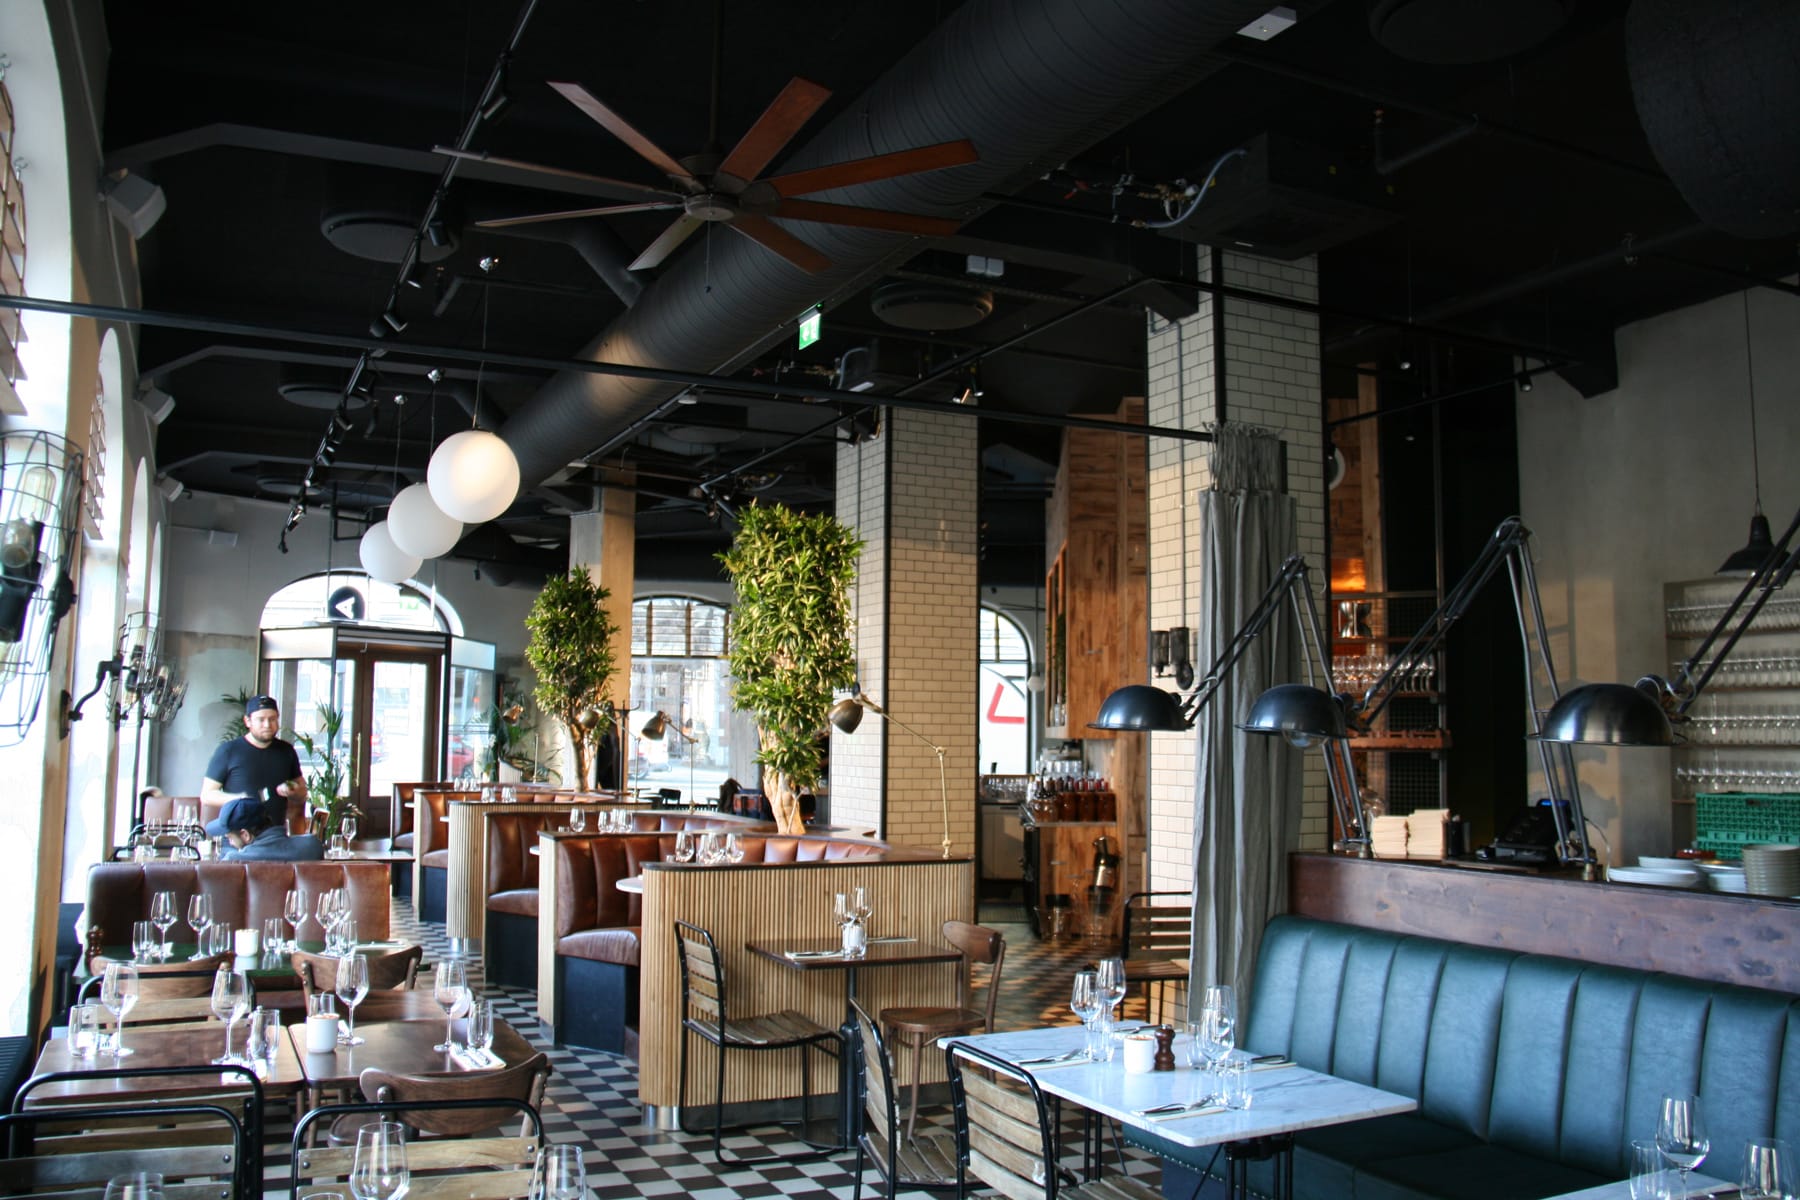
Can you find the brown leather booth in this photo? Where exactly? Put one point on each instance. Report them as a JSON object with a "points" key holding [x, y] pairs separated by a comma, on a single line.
{"points": [[244, 894], [160, 810], [431, 848]]}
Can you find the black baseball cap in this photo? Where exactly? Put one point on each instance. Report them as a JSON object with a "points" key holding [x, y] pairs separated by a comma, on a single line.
{"points": [[246, 812], [256, 704]]}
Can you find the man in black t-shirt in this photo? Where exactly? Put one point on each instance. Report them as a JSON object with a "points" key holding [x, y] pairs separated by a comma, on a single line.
{"points": [[259, 765]]}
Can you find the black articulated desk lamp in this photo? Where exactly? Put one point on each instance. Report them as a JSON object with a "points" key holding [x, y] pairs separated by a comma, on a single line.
{"points": [[1294, 709], [1142, 707], [1645, 714]]}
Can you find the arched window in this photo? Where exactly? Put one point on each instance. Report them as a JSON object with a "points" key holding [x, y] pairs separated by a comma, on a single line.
{"points": [[1003, 701], [388, 605], [678, 667]]}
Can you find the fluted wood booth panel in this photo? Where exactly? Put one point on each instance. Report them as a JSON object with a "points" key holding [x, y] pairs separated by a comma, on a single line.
{"points": [[911, 894]]}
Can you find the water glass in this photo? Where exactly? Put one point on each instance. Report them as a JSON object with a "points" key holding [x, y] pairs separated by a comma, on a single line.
{"points": [[1771, 1171], [560, 1173], [379, 1170], [144, 941], [135, 1185], [481, 1026], [1648, 1179], [265, 1035], [1234, 1082], [218, 941], [85, 1031], [273, 941]]}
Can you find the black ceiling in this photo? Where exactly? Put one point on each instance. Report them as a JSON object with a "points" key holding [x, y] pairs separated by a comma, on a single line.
{"points": [[1533, 219]]}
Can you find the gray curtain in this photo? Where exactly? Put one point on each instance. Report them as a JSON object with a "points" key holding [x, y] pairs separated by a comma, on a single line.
{"points": [[1246, 787]]}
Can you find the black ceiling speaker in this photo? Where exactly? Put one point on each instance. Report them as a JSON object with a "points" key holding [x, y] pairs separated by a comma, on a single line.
{"points": [[1454, 32], [1719, 100]]}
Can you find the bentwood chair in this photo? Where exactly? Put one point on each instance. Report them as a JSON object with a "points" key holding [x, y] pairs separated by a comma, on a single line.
{"points": [[915, 1027], [1005, 1139], [1159, 938], [499, 1165], [904, 1162], [387, 972], [706, 1014]]}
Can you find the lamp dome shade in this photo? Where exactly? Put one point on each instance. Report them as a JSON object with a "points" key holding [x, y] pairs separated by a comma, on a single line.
{"points": [[846, 715], [382, 559], [1139, 706], [418, 526], [1608, 714], [473, 476], [1303, 715]]}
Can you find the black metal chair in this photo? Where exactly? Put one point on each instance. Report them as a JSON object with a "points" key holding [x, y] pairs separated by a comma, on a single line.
{"points": [[492, 1165], [67, 1150], [706, 1014], [905, 1161]]}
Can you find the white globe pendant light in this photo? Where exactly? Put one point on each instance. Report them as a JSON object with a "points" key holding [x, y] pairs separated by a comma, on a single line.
{"points": [[473, 476], [418, 526], [383, 560]]}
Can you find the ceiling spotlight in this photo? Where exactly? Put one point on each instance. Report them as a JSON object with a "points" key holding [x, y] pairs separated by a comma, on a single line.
{"points": [[377, 328], [393, 320], [436, 233], [436, 375], [966, 396], [340, 421], [1524, 381], [489, 262], [1277, 20]]}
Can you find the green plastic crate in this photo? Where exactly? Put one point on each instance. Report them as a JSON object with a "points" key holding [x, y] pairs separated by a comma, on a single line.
{"points": [[1726, 822]]}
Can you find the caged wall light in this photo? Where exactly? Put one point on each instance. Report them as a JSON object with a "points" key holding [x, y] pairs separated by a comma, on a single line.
{"points": [[40, 516]]}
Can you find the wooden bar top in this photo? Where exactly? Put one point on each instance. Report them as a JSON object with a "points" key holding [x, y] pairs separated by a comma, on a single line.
{"points": [[1748, 940]]}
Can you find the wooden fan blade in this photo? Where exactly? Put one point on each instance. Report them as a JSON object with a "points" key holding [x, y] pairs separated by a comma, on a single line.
{"points": [[678, 232], [865, 218], [794, 107], [622, 129], [881, 166], [624, 188], [773, 237], [571, 214]]}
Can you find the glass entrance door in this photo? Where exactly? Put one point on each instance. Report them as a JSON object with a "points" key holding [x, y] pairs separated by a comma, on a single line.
{"points": [[394, 737]]}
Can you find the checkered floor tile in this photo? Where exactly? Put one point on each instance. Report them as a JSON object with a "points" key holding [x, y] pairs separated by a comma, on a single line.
{"points": [[592, 1096]]}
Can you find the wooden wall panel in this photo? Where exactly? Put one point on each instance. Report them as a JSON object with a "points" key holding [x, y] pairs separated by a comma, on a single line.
{"points": [[742, 904]]}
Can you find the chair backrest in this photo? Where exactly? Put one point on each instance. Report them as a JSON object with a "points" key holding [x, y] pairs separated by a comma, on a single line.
{"points": [[177, 993], [877, 1080], [446, 1168], [318, 972], [1003, 1134], [522, 1082], [702, 978], [978, 944], [1159, 925]]}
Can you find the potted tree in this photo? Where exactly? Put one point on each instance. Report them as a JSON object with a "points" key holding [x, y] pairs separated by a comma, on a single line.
{"points": [[330, 784], [571, 650], [790, 641]]}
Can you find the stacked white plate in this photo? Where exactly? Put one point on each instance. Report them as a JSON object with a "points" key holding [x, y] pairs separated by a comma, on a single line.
{"points": [[1772, 870], [1725, 877], [1654, 876], [1686, 866]]}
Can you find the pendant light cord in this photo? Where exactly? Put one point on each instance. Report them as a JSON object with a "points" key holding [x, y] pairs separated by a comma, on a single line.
{"points": [[1750, 376]]}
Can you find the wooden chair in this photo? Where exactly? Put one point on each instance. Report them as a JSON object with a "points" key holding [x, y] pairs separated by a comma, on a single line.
{"points": [[387, 972], [169, 994], [1159, 938], [706, 1014], [524, 1082], [446, 1168], [1004, 1137], [915, 1027], [923, 1164]]}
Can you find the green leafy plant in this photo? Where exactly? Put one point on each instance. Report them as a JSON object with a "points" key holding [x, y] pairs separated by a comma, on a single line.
{"points": [[512, 739], [571, 651], [331, 783], [790, 640]]}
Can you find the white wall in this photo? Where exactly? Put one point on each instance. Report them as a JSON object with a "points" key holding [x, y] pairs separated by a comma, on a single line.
{"points": [[1648, 484]]}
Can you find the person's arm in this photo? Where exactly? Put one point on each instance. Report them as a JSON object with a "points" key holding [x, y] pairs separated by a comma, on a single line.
{"points": [[295, 787], [218, 769]]}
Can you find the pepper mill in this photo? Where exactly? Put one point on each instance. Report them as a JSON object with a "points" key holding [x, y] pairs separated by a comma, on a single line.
{"points": [[1165, 1048]]}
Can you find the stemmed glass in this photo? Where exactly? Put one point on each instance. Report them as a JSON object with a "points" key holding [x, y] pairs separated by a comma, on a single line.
{"points": [[684, 847], [118, 992], [577, 820], [352, 986], [1215, 1033], [162, 915], [451, 990], [734, 852], [560, 1174], [1085, 1002], [1770, 1170], [230, 1003], [136, 1185], [293, 911], [199, 916], [1681, 1134], [347, 827], [1110, 976], [379, 1172]]}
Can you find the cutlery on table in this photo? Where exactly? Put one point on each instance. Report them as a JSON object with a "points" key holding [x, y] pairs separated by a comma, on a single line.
{"points": [[1047, 1060], [1191, 1108]]}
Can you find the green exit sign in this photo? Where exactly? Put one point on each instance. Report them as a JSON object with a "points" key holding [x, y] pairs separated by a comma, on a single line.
{"points": [[809, 326]]}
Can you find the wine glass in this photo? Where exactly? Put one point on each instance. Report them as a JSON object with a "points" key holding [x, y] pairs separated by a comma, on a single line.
{"points": [[118, 992], [560, 1174], [230, 1003], [451, 991], [143, 941], [352, 986], [199, 916], [135, 1185], [859, 906], [734, 850], [347, 827], [1110, 975], [1771, 1171], [1084, 1002], [162, 915], [684, 847], [378, 1172], [577, 820], [293, 911], [1681, 1134]]}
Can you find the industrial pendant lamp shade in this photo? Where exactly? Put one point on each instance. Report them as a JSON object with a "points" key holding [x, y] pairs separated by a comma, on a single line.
{"points": [[1755, 552], [846, 715], [418, 526], [1304, 715], [473, 476], [1140, 707], [1608, 714], [383, 560]]}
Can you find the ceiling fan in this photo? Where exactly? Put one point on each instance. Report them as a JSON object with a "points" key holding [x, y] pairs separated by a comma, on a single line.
{"points": [[705, 188]]}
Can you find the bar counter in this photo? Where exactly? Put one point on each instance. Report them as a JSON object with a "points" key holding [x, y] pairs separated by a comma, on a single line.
{"points": [[1748, 940]]}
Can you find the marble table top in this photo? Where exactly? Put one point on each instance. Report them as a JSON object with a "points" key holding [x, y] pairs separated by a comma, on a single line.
{"points": [[1698, 1186], [1283, 1099]]}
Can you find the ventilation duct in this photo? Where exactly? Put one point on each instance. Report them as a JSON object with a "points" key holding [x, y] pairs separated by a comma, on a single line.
{"points": [[1030, 82], [1719, 98]]}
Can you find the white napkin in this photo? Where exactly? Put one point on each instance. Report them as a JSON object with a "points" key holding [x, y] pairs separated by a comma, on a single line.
{"points": [[470, 1059]]}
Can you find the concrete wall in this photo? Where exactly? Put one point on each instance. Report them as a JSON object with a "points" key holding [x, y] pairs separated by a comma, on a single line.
{"points": [[1648, 484]]}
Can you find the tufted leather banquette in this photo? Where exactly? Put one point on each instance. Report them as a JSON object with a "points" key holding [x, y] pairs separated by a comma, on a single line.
{"points": [[244, 894]]}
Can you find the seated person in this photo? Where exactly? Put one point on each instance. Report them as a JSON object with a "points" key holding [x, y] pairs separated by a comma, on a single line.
{"points": [[252, 837]]}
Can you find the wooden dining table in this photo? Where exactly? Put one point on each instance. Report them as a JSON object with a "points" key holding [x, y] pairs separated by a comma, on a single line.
{"points": [[191, 1046], [404, 1047]]}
